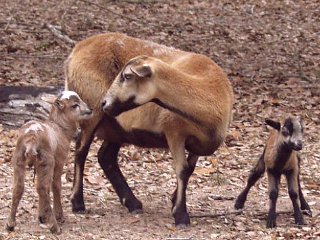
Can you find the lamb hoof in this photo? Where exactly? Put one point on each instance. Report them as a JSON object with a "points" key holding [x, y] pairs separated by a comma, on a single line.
{"points": [[43, 219], [307, 212], [137, 211], [9, 227], [271, 224], [181, 226], [300, 222], [239, 204], [60, 219], [55, 230]]}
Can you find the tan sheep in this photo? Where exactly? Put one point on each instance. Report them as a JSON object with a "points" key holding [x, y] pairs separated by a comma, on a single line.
{"points": [[198, 123]]}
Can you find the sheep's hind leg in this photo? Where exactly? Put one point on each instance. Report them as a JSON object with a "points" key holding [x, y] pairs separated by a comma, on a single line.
{"points": [[108, 160], [255, 175], [293, 189], [192, 160], [56, 189], [183, 168], [274, 181], [45, 169], [18, 188]]}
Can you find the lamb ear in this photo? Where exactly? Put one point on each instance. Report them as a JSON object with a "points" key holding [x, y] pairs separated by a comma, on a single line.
{"points": [[49, 98], [273, 124], [142, 71]]}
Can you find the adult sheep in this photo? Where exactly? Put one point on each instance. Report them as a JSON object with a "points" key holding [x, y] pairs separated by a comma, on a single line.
{"points": [[91, 69]]}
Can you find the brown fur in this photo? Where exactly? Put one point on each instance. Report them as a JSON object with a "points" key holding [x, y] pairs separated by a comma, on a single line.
{"points": [[271, 150], [93, 65], [45, 145]]}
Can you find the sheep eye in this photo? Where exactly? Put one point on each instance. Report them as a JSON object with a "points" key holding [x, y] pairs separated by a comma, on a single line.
{"points": [[75, 106], [127, 76]]}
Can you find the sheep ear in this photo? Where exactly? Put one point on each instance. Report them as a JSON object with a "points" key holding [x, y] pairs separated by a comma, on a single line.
{"points": [[273, 124], [142, 71], [58, 103], [49, 98]]}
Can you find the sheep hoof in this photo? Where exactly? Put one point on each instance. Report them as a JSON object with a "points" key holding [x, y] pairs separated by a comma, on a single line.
{"points": [[78, 205], [79, 209], [238, 205]]}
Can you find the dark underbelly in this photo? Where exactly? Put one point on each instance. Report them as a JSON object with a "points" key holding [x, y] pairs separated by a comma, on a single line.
{"points": [[111, 131], [145, 138]]}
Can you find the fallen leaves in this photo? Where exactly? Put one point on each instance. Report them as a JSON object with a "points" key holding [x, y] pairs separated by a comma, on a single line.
{"points": [[270, 51]]}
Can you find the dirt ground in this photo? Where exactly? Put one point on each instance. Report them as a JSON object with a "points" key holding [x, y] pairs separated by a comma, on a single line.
{"points": [[271, 53]]}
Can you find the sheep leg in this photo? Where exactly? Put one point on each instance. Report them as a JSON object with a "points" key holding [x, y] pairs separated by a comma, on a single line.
{"points": [[274, 181], [108, 160], [45, 169], [192, 160], [303, 203], [293, 189], [183, 171], [255, 175], [82, 148], [56, 189], [18, 188]]}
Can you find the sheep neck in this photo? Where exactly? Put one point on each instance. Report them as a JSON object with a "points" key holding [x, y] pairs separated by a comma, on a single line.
{"points": [[67, 127], [201, 104]]}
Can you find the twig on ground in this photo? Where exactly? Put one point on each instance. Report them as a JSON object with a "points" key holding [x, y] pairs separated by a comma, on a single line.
{"points": [[57, 33], [14, 56], [214, 215], [216, 197], [301, 73], [118, 14], [115, 13]]}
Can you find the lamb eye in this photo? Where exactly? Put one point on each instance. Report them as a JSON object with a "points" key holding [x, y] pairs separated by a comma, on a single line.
{"points": [[75, 106], [285, 132]]}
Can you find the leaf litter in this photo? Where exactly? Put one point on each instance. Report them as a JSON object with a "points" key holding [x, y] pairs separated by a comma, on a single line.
{"points": [[270, 51]]}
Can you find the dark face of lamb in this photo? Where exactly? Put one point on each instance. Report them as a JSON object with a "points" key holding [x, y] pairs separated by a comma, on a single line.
{"points": [[291, 131]]}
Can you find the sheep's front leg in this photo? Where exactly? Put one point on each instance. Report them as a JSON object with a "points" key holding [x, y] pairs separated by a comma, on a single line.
{"points": [[293, 189], [45, 169], [18, 188], [56, 189], [183, 170], [108, 160], [274, 181], [82, 148]]}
